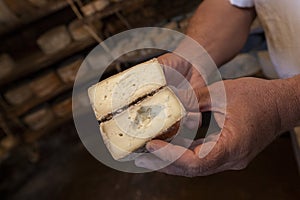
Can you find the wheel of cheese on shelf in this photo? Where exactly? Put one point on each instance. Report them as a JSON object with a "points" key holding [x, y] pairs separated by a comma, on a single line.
{"points": [[6, 65], [39, 118], [78, 31], [94, 6], [19, 94], [63, 107], [8, 142], [45, 84], [101, 4], [68, 72], [54, 40]]}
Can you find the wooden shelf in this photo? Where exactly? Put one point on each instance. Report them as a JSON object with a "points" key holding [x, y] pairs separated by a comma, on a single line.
{"points": [[21, 109], [33, 102], [31, 136], [39, 60], [112, 8], [38, 14]]}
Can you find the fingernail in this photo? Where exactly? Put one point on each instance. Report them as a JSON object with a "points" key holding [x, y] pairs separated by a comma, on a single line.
{"points": [[149, 147]]}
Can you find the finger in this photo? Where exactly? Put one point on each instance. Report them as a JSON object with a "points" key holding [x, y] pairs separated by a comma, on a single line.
{"points": [[212, 153], [179, 171], [165, 151], [194, 100], [150, 161], [187, 143], [175, 78], [176, 62], [196, 79], [174, 154], [193, 120], [184, 162]]}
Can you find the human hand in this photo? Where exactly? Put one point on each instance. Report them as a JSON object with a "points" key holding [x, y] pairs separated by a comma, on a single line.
{"points": [[176, 69], [252, 119], [181, 75]]}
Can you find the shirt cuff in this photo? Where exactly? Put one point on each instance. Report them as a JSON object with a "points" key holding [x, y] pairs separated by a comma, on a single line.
{"points": [[242, 3]]}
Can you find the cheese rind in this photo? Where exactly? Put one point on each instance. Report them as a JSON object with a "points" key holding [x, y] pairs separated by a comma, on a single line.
{"points": [[135, 126], [126, 87]]}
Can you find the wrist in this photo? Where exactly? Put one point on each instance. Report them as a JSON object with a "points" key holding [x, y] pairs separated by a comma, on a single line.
{"points": [[287, 95]]}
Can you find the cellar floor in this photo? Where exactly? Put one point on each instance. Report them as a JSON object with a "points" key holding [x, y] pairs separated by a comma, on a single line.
{"points": [[65, 170]]}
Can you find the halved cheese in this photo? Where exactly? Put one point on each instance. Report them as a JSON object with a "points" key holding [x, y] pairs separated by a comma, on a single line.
{"points": [[126, 87], [135, 126]]}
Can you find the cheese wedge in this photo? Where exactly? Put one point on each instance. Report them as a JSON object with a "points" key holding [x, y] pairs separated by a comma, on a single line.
{"points": [[126, 87], [135, 126], [134, 107]]}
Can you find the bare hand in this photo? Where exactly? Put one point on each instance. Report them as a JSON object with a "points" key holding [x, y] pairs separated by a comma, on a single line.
{"points": [[252, 121]]}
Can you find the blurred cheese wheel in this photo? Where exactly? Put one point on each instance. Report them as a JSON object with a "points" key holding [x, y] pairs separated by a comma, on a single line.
{"points": [[78, 31], [6, 65], [94, 6], [54, 40], [45, 84], [9, 142], [68, 72], [63, 108], [18, 94], [101, 4], [39, 118]]}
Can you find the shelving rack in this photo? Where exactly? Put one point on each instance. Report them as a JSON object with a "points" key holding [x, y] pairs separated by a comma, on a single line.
{"points": [[153, 12]]}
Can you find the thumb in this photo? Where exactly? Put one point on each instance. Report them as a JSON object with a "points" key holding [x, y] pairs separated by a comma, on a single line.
{"points": [[194, 99]]}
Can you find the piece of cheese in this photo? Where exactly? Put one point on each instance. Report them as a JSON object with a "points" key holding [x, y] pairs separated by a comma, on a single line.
{"points": [[54, 40], [45, 84], [134, 107], [39, 118], [94, 6], [19, 94], [126, 87], [63, 108], [69, 71], [7, 65], [135, 126]]}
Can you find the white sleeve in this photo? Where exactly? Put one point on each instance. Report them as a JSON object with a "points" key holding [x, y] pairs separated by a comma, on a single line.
{"points": [[242, 3]]}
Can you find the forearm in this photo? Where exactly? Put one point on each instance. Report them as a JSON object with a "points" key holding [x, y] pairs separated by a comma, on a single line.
{"points": [[288, 102], [220, 28]]}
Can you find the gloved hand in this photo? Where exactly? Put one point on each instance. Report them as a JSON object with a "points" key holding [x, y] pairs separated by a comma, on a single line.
{"points": [[257, 111]]}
